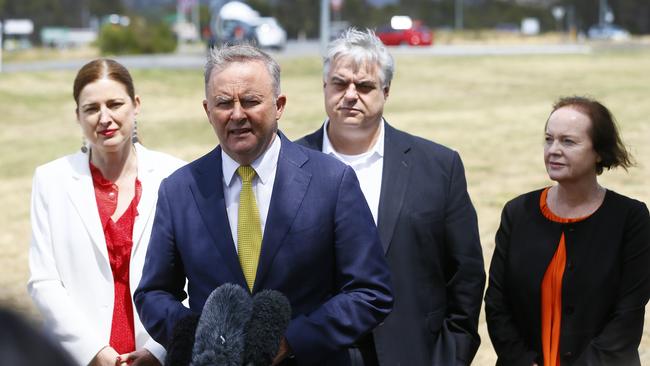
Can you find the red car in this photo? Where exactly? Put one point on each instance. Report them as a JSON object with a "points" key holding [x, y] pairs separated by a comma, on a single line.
{"points": [[416, 35]]}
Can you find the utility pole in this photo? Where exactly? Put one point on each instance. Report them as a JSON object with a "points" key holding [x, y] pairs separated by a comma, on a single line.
{"points": [[1, 46], [458, 12], [84, 13], [179, 13], [324, 25], [602, 12], [195, 19]]}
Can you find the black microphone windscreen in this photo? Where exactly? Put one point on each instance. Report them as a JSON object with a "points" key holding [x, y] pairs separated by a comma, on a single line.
{"points": [[271, 316], [179, 348], [220, 335]]}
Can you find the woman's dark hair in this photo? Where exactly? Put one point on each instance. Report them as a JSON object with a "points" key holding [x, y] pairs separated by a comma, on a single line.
{"points": [[99, 69], [603, 132]]}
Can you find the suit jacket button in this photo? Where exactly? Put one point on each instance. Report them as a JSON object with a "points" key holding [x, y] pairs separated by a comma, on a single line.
{"points": [[568, 310], [569, 265], [568, 354]]}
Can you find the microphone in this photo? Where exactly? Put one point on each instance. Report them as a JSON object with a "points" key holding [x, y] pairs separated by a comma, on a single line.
{"points": [[220, 334], [179, 348], [271, 316]]}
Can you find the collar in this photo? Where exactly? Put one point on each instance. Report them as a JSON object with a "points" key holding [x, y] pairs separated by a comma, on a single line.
{"points": [[146, 162], [376, 149], [264, 165]]}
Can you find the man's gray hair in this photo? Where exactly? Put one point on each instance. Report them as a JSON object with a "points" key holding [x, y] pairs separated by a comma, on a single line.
{"points": [[221, 57], [362, 47]]}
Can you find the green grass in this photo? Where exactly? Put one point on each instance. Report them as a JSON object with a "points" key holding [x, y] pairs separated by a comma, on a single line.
{"points": [[491, 109]]}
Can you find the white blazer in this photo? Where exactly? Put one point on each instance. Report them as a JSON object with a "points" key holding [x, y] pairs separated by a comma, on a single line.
{"points": [[71, 280]]}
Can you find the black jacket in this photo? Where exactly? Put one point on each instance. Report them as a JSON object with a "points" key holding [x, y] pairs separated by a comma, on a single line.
{"points": [[605, 287], [429, 232]]}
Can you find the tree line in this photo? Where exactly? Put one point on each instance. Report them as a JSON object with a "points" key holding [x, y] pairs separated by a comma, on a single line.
{"points": [[301, 17]]}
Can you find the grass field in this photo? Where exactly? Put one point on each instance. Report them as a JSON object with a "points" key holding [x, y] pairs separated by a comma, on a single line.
{"points": [[491, 109]]}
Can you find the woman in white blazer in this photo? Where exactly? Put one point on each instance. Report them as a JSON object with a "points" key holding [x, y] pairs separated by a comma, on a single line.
{"points": [[91, 216]]}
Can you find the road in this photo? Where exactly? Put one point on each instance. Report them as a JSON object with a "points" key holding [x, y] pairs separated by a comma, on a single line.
{"points": [[196, 59]]}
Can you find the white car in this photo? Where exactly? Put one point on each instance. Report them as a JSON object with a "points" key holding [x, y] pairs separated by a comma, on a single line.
{"points": [[270, 34], [608, 32]]}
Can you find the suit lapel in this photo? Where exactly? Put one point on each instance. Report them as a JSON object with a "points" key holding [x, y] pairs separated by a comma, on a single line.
{"points": [[146, 206], [314, 140], [82, 194], [289, 190], [208, 194], [393, 183]]}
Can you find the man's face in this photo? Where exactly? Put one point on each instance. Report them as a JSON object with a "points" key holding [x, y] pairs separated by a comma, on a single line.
{"points": [[354, 97], [242, 109]]}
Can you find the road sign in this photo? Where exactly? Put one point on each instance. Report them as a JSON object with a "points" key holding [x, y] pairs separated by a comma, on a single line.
{"points": [[1, 46]]}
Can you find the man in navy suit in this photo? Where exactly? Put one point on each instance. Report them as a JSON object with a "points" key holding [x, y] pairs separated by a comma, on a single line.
{"points": [[417, 192], [319, 244]]}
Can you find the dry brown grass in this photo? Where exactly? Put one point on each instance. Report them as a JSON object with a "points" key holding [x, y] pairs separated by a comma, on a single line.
{"points": [[46, 53], [491, 109]]}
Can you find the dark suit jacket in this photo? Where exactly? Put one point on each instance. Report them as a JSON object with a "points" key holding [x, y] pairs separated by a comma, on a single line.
{"points": [[429, 232], [320, 248], [605, 287]]}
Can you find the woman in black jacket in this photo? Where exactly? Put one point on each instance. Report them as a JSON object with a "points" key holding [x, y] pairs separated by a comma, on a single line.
{"points": [[570, 274]]}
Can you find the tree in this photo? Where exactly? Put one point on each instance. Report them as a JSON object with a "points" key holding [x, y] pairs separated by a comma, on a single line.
{"points": [[631, 14], [57, 13], [299, 17]]}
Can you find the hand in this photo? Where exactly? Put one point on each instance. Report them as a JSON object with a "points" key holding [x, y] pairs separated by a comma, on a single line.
{"points": [[283, 352], [107, 356], [141, 357]]}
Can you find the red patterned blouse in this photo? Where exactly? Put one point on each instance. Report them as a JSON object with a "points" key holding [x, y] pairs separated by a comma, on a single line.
{"points": [[119, 241]]}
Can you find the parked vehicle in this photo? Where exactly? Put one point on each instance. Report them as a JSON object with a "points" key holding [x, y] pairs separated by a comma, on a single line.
{"points": [[337, 27], [608, 32], [236, 22], [269, 34], [404, 31], [236, 31]]}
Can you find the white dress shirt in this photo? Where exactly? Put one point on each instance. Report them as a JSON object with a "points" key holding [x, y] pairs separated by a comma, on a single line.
{"points": [[265, 167], [368, 166]]}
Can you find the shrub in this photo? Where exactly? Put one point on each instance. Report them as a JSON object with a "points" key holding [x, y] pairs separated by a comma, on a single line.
{"points": [[136, 38]]}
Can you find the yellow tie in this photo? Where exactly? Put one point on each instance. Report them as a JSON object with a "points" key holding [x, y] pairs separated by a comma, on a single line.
{"points": [[249, 229]]}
